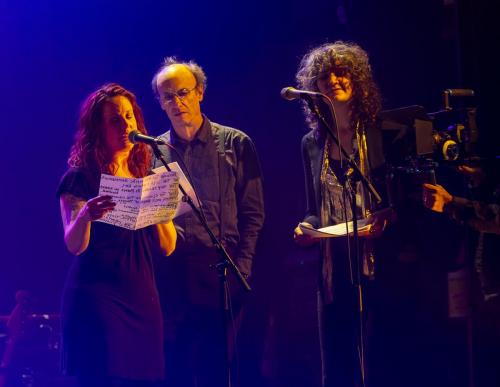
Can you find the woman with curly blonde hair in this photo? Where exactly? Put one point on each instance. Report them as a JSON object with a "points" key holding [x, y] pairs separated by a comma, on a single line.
{"points": [[340, 71]]}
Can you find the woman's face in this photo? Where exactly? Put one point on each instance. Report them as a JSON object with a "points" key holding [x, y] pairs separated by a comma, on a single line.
{"points": [[118, 120], [337, 87]]}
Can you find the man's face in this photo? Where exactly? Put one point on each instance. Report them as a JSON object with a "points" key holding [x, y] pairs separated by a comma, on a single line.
{"points": [[180, 96]]}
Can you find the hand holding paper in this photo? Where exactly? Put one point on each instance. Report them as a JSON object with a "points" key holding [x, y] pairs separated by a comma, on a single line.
{"points": [[140, 202], [336, 230], [366, 227]]}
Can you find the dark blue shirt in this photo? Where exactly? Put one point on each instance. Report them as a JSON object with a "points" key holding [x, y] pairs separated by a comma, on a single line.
{"points": [[223, 166]]}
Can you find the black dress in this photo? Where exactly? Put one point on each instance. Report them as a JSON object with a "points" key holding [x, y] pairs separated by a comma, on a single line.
{"points": [[111, 316]]}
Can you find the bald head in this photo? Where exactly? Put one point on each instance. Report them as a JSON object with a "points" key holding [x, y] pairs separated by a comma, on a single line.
{"points": [[180, 96], [171, 63], [177, 73]]}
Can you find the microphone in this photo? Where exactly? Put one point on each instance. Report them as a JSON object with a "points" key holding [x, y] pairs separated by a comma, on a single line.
{"points": [[135, 137], [291, 93]]}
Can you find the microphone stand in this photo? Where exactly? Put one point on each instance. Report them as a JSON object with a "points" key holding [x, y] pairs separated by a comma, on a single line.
{"points": [[224, 263], [352, 175]]}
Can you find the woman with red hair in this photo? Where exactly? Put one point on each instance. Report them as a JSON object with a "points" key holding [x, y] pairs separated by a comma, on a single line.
{"points": [[111, 317]]}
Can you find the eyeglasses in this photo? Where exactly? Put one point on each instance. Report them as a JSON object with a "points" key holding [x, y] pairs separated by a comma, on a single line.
{"points": [[169, 97], [339, 72]]}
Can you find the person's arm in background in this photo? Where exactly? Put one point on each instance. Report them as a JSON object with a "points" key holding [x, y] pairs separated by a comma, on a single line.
{"points": [[311, 218], [484, 217], [250, 203]]}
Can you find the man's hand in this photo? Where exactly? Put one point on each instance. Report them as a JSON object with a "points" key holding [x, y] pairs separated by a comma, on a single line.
{"points": [[435, 197]]}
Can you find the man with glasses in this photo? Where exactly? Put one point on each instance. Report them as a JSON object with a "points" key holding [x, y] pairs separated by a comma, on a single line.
{"points": [[223, 167]]}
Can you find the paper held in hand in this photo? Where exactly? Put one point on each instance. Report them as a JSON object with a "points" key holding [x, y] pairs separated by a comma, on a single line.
{"points": [[140, 202], [339, 230]]}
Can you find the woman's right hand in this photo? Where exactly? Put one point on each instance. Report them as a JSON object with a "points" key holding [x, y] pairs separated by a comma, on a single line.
{"points": [[97, 207], [302, 239], [77, 215]]}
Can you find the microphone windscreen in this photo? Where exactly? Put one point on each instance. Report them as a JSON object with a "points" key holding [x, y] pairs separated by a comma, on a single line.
{"points": [[131, 136], [287, 93]]}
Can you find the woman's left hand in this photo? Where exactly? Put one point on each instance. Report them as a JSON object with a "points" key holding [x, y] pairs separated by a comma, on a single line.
{"points": [[380, 222]]}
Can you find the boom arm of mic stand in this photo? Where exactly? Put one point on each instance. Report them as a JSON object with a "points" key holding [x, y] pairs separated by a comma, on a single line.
{"points": [[349, 159], [228, 262]]}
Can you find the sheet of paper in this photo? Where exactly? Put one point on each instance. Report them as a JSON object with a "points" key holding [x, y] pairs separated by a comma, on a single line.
{"points": [[339, 230], [336, 230], [140, 202], [183, 207]]}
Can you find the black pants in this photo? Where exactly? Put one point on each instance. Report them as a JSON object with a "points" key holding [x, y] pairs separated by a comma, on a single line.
{"points": [[195, 356], [339, 342], [487, 344]]}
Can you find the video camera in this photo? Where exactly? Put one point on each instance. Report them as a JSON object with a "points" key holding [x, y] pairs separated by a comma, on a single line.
{"points": [[411, 135]]}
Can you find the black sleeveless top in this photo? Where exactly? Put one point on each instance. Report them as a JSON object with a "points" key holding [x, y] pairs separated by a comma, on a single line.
{"points": [[111, 316]]}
